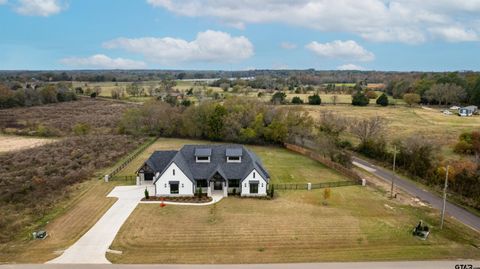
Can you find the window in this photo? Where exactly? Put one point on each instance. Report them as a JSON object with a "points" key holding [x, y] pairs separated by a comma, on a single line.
{"points": [[234, 183], [182, 185], [165, 185], [173, 171], [234, 159], [253, 187], [173, 188], [203, 159], [202, 183], [253, 174]]}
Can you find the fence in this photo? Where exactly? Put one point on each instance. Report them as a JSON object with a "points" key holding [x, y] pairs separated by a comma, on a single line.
{"points": [[130, 158], [304, 186], [318, 157]]}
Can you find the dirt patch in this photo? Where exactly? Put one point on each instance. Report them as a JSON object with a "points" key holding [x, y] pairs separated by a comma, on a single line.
{"points": [[15, 143]]}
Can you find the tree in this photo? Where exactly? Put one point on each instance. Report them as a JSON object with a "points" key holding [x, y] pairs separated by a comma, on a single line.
{"points": [[360, 99], [371, 95], [97, 90], [225, 86], [411, 98], [6, 97], [368, 129], [279, 98], [446, 94], [382, 100], [215, 122], [334, 97], [133, 89], [314, 99], [48, 94], [297, 100]]}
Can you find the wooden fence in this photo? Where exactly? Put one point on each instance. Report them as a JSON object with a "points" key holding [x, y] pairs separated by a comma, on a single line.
{"points": [[130, 158], [304, 186], [327, 162]]}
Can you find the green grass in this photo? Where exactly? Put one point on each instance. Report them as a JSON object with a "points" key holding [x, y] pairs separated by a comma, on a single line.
{"points": [[283, 165]]}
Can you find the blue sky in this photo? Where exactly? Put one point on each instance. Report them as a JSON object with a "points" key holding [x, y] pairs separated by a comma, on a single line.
{"points": [[402, 35]]}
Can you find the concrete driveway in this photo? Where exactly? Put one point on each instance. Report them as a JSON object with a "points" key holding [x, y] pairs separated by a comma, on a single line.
{"points": [[91, 247]]}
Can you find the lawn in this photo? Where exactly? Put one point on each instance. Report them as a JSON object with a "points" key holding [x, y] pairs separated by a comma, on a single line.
{"points": [[358, 224], [283, 165]]}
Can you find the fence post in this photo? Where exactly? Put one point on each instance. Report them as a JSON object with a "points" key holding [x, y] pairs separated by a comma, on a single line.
{"points": [[364, 182], [106, 178], [309, 186]]}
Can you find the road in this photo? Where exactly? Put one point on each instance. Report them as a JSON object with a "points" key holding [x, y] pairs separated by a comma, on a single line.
{"points": [[333, 265], [435, 201]]}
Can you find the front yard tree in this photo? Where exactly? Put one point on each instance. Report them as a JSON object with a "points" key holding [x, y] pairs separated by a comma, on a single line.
{"points": [[360, 99], [382, 100]]}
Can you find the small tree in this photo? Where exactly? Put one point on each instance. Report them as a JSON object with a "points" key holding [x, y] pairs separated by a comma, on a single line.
{"points": [[360, 99], [314, 99], [382, 100], [81, 129], [279, 98], [411, 98], [371, 94], [297, 100], [147, 195], [334, 99], [326, 195]]}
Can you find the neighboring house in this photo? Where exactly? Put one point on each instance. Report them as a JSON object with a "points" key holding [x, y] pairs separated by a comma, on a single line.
{"points": [[225, 169], [467, 111]]}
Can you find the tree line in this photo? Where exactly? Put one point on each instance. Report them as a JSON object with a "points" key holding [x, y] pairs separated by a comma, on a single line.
{"points": [[35, 95]]}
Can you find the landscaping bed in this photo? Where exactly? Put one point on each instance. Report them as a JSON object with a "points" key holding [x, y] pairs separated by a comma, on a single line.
{"points": [[181, 199]]}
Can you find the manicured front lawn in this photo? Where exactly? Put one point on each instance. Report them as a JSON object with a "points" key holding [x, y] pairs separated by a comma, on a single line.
{"points": [[357, 224], [283, 165]]}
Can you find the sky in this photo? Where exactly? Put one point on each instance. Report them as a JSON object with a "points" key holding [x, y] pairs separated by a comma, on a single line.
{"points": [[400, 35]]}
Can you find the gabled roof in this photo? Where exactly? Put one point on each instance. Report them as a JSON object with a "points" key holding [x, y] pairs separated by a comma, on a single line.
{"points": [[185, 159]]}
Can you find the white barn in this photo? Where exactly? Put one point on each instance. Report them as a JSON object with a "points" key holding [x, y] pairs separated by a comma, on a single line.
{"points": [[194, 169]]}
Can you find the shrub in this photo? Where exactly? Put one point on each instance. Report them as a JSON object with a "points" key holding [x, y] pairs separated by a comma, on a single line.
{"points": [[382, 100], [81, 129], [147, 195], [360, 99], [279, 98], [297, 100], [411, 98], [314, 99]]}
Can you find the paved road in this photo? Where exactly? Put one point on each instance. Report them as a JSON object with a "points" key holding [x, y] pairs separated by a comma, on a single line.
{"points": [[335, 265], [435, 201]]}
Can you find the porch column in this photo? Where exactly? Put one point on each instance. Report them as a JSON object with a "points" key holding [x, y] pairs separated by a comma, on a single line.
{"points": [[225, 189], [209, 189]]}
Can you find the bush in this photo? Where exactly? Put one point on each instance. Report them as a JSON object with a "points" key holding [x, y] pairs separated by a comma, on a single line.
{"points": [[297, 100], [360, 99], [279, 98], [371, 95], [314, 99], [147, 195], [81, 129], [382, 100], [411, 98]]}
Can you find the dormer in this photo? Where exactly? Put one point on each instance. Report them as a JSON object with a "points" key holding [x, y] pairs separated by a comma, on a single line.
{"points": [[234, 155], [203, 155]]}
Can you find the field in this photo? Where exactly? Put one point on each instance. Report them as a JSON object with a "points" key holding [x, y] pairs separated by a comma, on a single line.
{"points": [[405, 121], [291, 170], [77, 213], [358, 223], [13, 143]]}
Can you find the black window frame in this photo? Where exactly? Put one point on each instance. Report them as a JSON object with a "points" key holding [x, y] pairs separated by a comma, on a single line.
{"points": [[203, 158], [236, 183], [178, 188]]}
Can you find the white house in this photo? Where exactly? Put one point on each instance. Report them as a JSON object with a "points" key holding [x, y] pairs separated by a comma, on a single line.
{"points": [[225, 169]]}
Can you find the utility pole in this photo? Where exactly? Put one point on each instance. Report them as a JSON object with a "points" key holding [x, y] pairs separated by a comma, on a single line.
{"points": [[444, 198], [393, 178]]}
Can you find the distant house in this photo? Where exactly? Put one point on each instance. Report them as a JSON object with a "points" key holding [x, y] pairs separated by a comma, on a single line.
{"points": [[467, 111], [222, 169]]}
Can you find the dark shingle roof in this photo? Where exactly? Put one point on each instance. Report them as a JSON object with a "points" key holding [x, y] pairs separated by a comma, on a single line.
{"points": [[160, 159], [185, 159]]}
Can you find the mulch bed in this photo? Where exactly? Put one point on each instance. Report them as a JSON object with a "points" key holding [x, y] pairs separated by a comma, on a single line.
{"points": [[185, 199]]}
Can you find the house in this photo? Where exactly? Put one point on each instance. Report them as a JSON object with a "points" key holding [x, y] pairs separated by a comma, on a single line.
{"points": [[221, 169], [467, 111]]}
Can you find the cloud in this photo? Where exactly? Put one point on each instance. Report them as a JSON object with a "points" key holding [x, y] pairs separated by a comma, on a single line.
{"points": [[288, 45], [350, 67], [208, 46], [346, 50], [43, 8], [3, 2], [455, 34], [406, 21], [103, 62]]}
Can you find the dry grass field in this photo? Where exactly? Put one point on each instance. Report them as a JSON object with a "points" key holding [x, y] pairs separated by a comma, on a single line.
{"points": [[76, 214], [13, 143], [357, 224], [284, 166], [406, 121]]}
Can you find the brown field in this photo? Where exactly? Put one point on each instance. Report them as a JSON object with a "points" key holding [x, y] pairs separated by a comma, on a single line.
{"points": [[358, 224], [14, 143], [76, 214]]}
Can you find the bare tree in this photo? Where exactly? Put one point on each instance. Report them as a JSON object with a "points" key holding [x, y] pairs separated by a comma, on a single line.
{"points": [[368, 129], [334, 99]]}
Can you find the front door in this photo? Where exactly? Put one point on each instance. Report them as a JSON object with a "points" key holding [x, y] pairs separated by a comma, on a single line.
{"points": [[218, 185]]}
